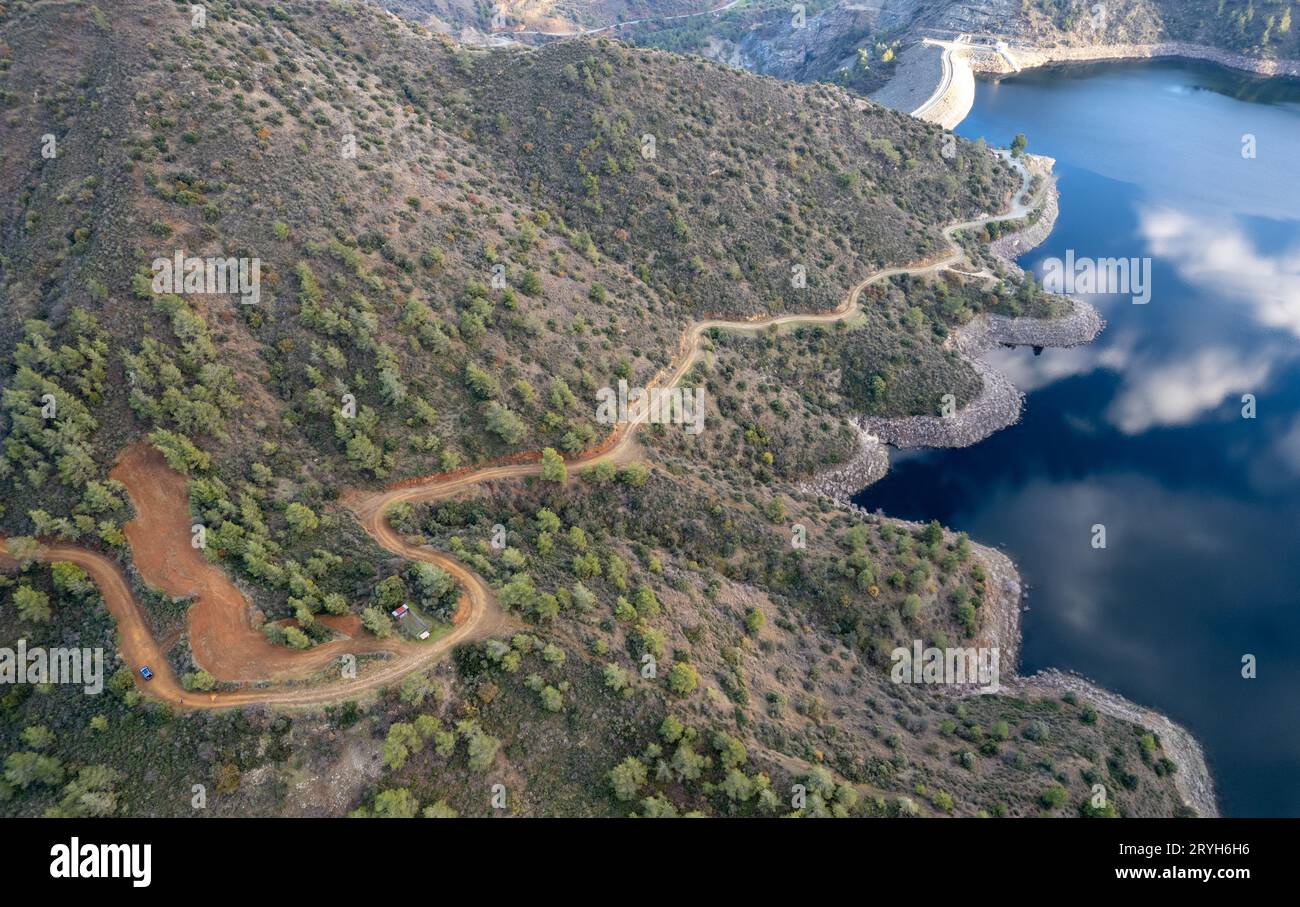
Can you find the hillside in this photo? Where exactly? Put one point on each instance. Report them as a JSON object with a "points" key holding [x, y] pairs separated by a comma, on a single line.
{"points": [[477, 20], [485, 258], [711, 186], [379, 269], [859, 46], [1254, 28], [455, 249], [849, 44]]}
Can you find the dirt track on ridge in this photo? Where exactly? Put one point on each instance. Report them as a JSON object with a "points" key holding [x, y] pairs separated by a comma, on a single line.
{"points": [[221, 633]]}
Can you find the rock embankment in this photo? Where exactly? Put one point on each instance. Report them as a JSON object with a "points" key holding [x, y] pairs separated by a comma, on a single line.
{"points": [[869, 464], [1080, 325], [998, 403], [1001, 626], [995, 407], [1010, 247], [916, 77], [1030, 57], [1192, 780]]}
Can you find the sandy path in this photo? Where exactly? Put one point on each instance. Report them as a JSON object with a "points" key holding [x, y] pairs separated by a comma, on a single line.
{"points": [[222, 637]]}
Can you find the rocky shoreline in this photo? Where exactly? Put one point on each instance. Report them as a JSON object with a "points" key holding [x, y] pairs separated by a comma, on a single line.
{"points": [[868, 465], [1001, 626], [1010, 247], [1001, 629], [1032, 58], [1081, 325], [920, 77], [1193, 780], [998, 405]]}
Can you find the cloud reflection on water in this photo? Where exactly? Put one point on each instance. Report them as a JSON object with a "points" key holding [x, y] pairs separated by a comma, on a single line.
{"points": [[1208, 353]]}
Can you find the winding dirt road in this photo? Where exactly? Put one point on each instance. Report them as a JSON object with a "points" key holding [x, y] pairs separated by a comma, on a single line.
{"points": [[222, 632]]}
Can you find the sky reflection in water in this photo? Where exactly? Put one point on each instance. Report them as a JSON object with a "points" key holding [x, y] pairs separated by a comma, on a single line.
{"points": [[1142, 430]]}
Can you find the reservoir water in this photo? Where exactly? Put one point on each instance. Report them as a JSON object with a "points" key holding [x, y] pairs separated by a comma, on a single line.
{"points": [[1143, 431]]}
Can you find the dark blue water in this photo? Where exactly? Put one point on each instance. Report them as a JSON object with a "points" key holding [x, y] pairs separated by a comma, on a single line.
{"points": [[1142, 431]]}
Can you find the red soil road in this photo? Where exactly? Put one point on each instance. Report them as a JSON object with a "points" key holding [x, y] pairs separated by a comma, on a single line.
{"points": [[139, 647], [221, 634]]}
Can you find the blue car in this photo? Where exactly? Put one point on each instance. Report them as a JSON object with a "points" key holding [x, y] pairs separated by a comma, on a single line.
{"points": [[146, 673]]}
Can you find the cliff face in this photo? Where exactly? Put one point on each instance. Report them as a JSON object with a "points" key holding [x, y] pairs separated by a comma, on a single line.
{"points": [[876, 48], [826, 42], [1256, 28], [845, 43]]}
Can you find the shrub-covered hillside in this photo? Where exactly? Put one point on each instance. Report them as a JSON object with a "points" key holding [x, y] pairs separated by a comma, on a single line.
{"points": [[464, 244], [713, 186], [455, 249], [1256, 28]]}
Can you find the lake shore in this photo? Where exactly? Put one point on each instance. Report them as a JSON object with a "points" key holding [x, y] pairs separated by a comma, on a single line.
{"points": [[935, 81], [1034, 58], [1001, 630], [997, 406], [998, 403], [1193, 779]]}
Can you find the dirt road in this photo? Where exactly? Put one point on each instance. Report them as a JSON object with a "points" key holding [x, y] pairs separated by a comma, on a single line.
{"points": [[222, 634]]}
